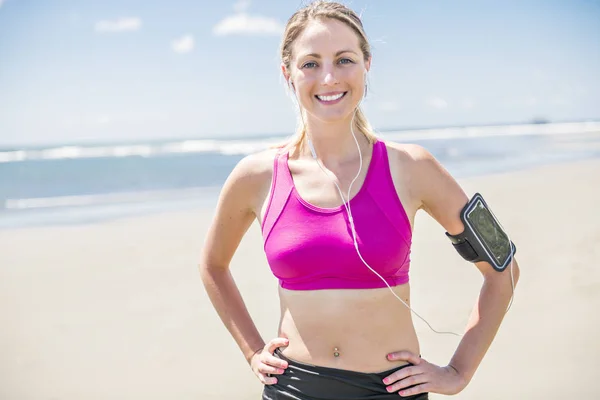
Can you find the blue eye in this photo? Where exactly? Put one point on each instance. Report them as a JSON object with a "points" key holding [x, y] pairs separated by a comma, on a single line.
{"points": [[343, 61], [309, 64]]}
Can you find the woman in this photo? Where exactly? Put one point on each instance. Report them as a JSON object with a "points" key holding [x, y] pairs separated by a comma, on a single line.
{"points": [[341, 334]]}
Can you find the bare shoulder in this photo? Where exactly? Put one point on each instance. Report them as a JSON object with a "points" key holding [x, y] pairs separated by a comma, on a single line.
{"points": [[408, 152], [416, 160], [251, 178], [240, 198], [256, 167], [431, 185], [408, 164]]}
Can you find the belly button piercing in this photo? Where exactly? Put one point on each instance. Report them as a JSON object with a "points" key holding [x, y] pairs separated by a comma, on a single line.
{"points": [[336, 353]]}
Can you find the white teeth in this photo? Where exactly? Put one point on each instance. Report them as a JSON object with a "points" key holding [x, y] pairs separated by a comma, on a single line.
{"points": [[330, 98]]}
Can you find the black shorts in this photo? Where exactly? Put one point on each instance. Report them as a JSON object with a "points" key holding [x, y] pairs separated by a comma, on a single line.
{"points": [[309, 382]]}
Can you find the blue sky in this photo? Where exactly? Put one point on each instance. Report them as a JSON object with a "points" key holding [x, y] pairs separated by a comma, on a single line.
{"points": [[132, 70]]}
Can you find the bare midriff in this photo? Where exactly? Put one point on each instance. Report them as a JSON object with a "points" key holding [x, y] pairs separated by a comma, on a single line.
{"points": [[352, 329]]}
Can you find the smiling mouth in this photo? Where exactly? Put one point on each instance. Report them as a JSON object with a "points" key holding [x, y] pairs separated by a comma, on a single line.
{"points": [[331, 99]]}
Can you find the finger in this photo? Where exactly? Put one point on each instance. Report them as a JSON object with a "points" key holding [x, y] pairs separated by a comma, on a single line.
{"points": [[267, 369], [274, 361], [401, 374], [275, 343], [404, 355], [423, 388], [266, 380], [408, 382]]}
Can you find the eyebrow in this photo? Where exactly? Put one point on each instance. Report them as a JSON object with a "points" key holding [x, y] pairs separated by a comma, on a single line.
{"points": [[315, 55]]}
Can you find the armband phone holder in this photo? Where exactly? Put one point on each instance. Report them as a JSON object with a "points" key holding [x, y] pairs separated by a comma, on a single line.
{"points": [[483, 238]]}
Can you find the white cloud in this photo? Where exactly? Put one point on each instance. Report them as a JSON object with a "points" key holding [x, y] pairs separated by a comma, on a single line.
{"points": [[184, 44], [244, 24], [119, 25], [437, 102], [239, 7]]}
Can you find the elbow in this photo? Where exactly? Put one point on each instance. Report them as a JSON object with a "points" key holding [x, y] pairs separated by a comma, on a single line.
{"points": [[507, 278], [209, 271], [204, 270]]}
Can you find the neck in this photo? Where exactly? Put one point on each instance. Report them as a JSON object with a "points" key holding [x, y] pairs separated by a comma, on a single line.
{"points": [[333, 142]]}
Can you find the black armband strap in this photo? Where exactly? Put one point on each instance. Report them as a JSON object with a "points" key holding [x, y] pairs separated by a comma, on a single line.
{"points": [[465, 249]]}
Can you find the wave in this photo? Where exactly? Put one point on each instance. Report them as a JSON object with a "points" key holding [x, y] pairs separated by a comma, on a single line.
{"points": [[108, 198], [496, 130], [227, 147], [244, 147]]}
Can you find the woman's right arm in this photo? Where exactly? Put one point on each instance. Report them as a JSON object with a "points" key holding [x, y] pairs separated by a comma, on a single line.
{"points": [[241, 199], [234, 214]]}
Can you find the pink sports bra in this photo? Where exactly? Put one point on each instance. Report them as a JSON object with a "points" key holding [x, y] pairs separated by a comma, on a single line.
{"points": [[310, 247]]}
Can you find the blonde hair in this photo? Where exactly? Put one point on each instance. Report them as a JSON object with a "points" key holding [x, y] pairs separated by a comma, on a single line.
{"points": [[296, 25]]}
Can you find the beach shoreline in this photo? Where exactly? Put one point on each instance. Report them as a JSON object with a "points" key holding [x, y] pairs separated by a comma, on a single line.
{"points": [[67, 184]]}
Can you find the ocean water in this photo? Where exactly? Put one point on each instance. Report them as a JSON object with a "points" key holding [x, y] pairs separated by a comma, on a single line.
{"points": [[72, 183]]}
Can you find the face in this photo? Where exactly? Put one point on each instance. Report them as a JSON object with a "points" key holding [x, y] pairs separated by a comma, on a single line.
{"points": [[328, 70]]}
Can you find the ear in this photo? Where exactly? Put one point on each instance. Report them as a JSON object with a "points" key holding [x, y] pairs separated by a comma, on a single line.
{"points": [[368, 64], [286, 73]]}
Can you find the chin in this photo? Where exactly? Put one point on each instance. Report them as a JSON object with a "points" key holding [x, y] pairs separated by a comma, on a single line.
{"points": [[332, 119]]}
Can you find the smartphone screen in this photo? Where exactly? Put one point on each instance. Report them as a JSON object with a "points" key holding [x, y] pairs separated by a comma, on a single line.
{"points": [[490, 233]]}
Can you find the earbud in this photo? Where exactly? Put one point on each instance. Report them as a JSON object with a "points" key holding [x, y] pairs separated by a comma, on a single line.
{"points": [[314, 153]]}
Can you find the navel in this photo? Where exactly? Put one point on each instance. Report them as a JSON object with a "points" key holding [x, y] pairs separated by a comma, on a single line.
{"points": [[336, 352]]}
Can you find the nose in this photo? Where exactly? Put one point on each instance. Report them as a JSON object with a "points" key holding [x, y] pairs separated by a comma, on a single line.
{"points": [[329, 77]]}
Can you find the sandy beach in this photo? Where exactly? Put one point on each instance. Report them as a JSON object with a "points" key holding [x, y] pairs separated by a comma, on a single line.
{"points": [[117, 310]]}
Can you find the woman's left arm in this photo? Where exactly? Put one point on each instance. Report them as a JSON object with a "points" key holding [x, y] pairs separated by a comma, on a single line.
{"points": [[443, 198]]}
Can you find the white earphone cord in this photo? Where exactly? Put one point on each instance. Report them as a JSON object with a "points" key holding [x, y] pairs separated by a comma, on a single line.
{"points": [[346, 205]]}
